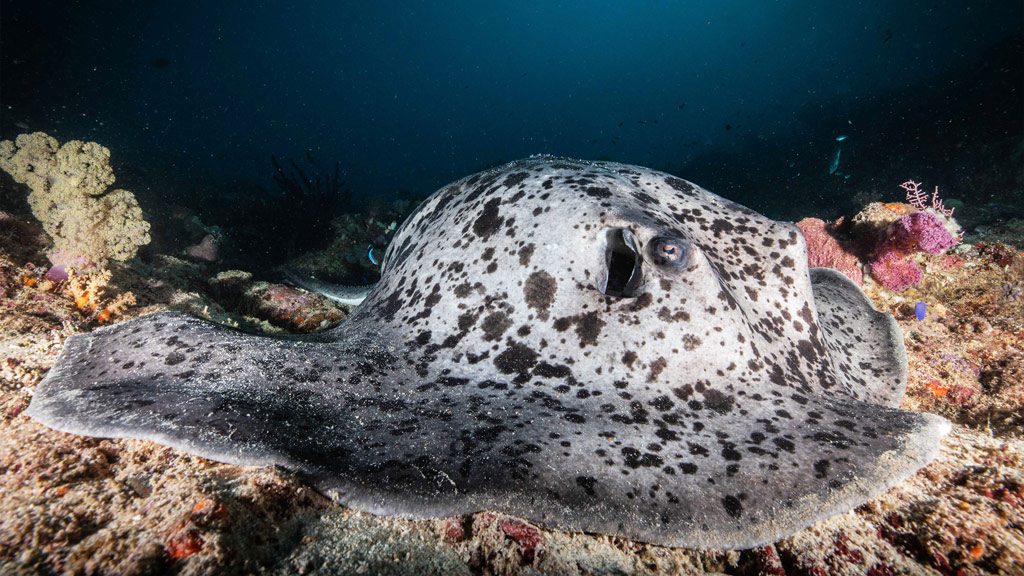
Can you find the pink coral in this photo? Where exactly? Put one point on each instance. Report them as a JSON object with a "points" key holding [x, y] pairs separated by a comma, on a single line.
{"points": [[919, 231], [918, 198], [825, 251], [922, 231], [896, 271]]}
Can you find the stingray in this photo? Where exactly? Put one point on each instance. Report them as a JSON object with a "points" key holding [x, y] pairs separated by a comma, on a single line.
{"points": [[588, 345]]}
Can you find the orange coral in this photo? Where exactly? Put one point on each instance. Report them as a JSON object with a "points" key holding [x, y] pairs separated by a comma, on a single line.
{"points": [[184, 544], [937, 389], [899, 208], [89, 293]]}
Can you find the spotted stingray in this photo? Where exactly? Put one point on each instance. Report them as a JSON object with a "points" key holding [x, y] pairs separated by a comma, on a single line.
{"points": [[589, 345]]}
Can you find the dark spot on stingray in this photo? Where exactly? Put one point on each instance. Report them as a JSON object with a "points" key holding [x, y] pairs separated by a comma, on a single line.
{"points": [[635, 459], [821, 469], [587, 483], [643, 301], [662, 403], [467, 319], [488, 222], [783, 444], [667, 434], [495, 325], [515, 178], [683, 392], [729, 452], [718, 401], [588, 326], [732, 506], [539, 292], [598, 192], [680, 184], [525, 253], [656, 368], [174, 358], [575, 418], [516, 358], [545, 370]]}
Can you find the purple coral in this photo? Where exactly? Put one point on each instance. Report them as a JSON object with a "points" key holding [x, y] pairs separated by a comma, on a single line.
{"points": [[919, 231], [896, 271]]}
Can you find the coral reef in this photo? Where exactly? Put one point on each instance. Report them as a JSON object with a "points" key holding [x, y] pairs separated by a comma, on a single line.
{"points": [[896, 238], [70, 196]]}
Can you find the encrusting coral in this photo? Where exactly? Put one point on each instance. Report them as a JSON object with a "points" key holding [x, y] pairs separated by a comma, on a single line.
{"points": [[70, 196]]}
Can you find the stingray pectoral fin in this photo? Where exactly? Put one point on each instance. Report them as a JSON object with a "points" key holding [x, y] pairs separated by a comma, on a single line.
{"points": [[342, 294], [752, 479], [866, 345], [189, 384]]}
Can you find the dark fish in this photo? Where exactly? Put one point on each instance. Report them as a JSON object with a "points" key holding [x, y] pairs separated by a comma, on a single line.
{"points": [[888, 36], [728, 126], [160, 62]]}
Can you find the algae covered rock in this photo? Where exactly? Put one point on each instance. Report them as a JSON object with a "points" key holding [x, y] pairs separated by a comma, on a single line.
{"points": [[70, 195]]}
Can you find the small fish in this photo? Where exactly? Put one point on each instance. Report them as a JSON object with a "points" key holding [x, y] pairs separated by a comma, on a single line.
{"points": [[833, 167], [728, 126], [920, 310], [840, 138], [371, 255]]}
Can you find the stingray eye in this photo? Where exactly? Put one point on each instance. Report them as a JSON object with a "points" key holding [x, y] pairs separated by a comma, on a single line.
{"points": [[667, 251], [621, 276]]}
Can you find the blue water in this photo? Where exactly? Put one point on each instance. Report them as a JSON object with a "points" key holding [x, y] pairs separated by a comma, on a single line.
{"points": [[744, 97]]}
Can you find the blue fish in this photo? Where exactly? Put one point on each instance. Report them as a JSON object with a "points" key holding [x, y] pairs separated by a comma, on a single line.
{"points": [[371, 255], [921, 310]]}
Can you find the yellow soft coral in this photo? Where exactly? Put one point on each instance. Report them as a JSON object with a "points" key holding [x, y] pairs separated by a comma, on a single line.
{"points": [[70, 195]]}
